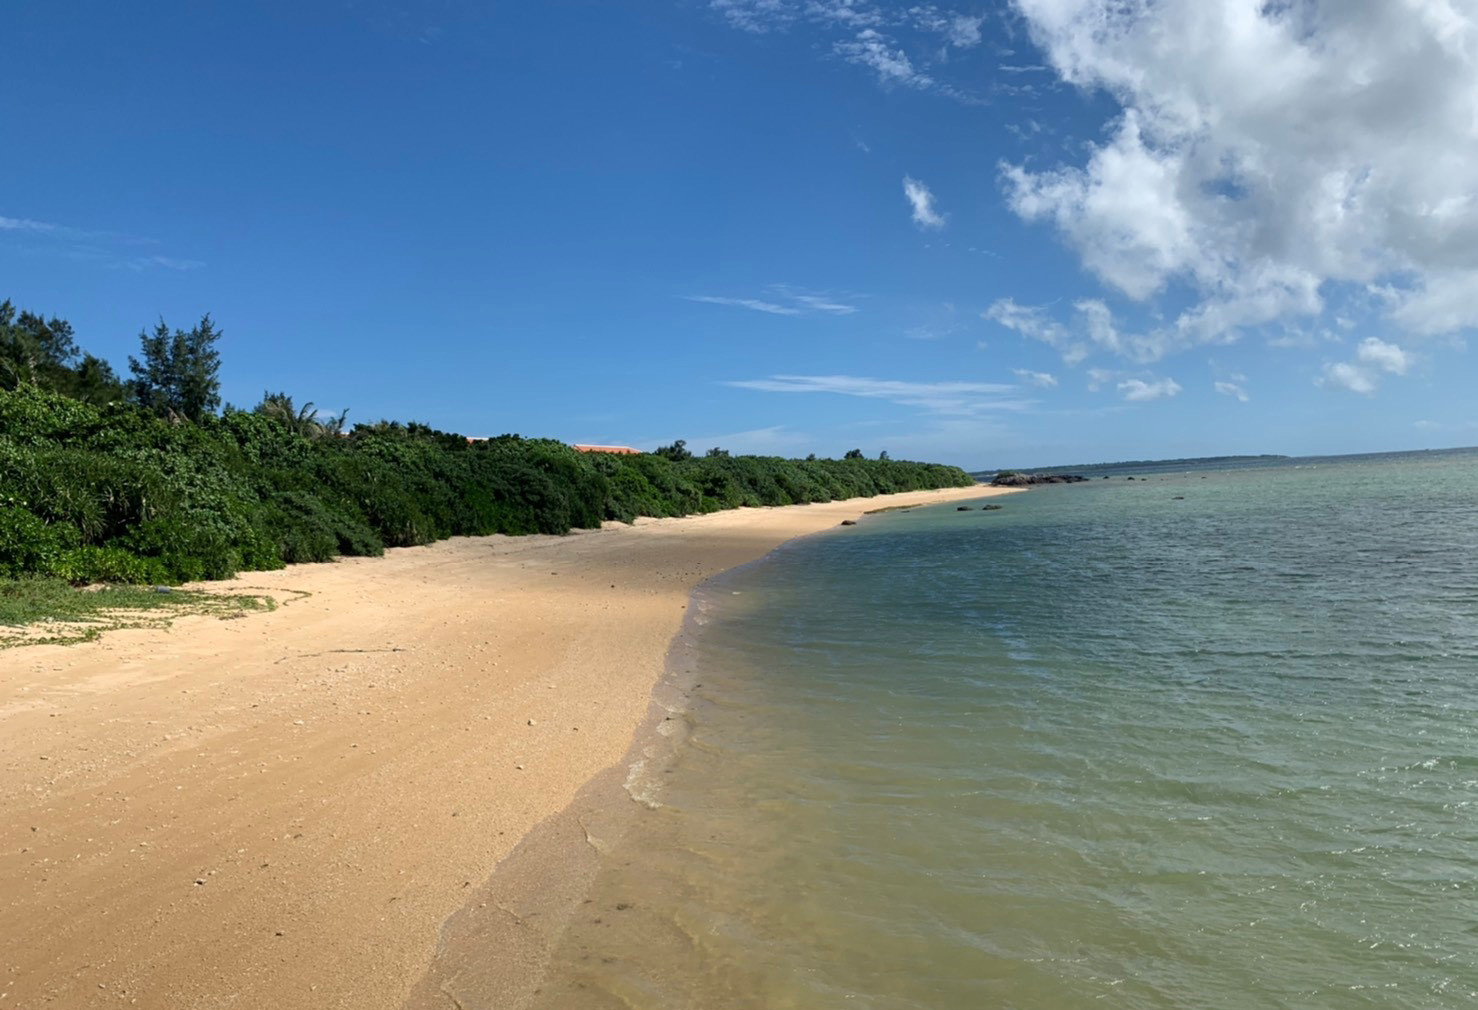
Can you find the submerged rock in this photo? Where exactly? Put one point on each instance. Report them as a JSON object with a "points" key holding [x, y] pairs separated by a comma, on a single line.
{"points": [[849, 522]]}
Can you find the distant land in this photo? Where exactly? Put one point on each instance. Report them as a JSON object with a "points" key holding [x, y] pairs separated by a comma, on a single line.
{"points": [[1140, 464]]}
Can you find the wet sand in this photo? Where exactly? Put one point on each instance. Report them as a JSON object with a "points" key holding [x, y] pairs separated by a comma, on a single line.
{"points": [[283, 810]]}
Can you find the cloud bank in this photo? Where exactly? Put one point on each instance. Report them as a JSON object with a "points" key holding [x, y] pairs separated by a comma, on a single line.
{"points": [[1271, 160]]}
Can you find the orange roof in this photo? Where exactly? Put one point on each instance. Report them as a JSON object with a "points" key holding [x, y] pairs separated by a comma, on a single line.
{"points": [[620, 450]]}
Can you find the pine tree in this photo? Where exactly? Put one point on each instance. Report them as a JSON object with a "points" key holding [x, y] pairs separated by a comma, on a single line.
{"points": [[179, 374]]}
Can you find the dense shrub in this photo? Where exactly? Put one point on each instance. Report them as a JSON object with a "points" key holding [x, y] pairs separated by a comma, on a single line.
{"points": [[29, 544], [118, 494]]}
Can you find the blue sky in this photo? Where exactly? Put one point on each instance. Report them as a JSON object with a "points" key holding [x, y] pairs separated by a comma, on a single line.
{"points": [[1038, 232]]}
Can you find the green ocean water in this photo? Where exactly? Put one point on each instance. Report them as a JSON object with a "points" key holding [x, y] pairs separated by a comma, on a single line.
{"points": [[1203, 740]]}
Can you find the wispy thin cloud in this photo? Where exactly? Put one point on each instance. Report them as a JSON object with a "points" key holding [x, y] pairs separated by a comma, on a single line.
{"points": [[1033, 321], [921, 203], [23, 224], [754, 304], [166, 262], [902, 45], [107, 248], [783, 300], [1042, 380], [957, 398], [890, 63], [820, 303], [1235, 390]]}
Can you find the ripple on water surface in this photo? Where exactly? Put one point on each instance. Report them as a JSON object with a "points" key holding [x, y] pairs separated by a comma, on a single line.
{"points": [[1100, 748]]}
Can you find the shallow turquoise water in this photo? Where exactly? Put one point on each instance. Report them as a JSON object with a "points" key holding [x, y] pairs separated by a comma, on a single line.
{"points": [[1100, 748]]}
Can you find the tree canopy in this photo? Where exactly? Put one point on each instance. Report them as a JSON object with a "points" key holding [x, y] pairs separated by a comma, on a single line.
{"points": [[179, 375], [43, 352], [148, 482]]}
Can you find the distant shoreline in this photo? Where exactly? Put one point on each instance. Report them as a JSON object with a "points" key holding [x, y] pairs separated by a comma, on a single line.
{"points": [[286, 808]]}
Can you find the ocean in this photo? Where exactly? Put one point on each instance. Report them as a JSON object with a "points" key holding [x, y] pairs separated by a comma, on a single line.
{"points": [[1200, 739]]}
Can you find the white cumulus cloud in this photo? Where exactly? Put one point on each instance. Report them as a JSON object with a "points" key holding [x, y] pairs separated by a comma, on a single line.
{"points": [[921, 202], [1373, 356], [1387, 357], [1273, 158], [1235, 390], [1138, 390]]}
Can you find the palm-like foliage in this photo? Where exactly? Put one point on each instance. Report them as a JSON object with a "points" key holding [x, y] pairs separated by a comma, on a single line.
{"points": [[303, 420]]}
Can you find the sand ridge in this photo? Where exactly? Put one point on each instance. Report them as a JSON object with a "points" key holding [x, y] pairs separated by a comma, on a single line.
{"points": [[281, 810]]}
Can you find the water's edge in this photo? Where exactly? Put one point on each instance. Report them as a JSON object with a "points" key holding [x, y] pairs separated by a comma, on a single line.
{"points": [[496, 951]]}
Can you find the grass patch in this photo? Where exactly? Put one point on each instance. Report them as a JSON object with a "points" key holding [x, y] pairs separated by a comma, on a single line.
{"points": [[41, 611]]}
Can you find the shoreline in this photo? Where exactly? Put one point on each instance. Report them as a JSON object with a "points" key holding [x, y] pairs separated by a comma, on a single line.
{"points": [[284, 810]]}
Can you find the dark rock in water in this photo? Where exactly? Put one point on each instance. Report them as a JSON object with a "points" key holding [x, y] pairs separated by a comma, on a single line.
{"points": [[991, 508], [1128, 478], [1030, 479], [964, 508], [849, 522], [1179, 497]]}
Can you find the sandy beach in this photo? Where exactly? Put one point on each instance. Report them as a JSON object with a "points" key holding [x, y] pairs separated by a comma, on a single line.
{"points": [[282, 810]]}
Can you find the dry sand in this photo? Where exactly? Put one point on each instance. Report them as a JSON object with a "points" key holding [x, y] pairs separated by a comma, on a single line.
{"points": [[281, 811]]}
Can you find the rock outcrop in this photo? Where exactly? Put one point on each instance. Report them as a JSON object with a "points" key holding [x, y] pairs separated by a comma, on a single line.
{"points": [[1032, 479]]}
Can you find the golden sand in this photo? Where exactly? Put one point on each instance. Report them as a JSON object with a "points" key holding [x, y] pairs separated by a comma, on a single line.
{"points": [[281, 811]]}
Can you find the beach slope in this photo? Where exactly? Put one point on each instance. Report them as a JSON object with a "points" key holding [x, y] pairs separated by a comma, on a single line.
{"points": [[281, 810]]}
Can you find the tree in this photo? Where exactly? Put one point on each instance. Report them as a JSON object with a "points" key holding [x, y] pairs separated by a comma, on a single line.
{"points": [[43, 352], [677, 451], [853, 454], [94, 381], [883, 454], [717, 453], [305, 421], [32, 349], [179, 376], [811, 457]]}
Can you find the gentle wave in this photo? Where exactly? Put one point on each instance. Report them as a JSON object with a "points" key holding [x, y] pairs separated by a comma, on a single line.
{"points": [[1099, 748]]}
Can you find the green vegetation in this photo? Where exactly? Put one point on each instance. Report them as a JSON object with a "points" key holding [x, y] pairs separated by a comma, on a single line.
{"points": [[41, 611], [145, 482]]}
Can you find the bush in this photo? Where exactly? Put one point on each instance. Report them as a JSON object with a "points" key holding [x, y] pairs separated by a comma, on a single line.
{"points": [[28, 544], [110, 564], [118, 494]]}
